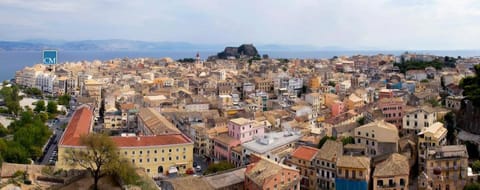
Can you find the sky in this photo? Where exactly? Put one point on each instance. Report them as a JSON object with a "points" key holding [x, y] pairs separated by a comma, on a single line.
{"points": [[361, 24]]}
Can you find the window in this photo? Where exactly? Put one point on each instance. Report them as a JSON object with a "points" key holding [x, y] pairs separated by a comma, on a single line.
{"points": [[402, 181], [176, 157], [133, 160], [155, 160], [148, 159], [163, 159], [170, 150], [148, 170], [163, 151], [170, 158], [125, 152], [184, 157], [380, 183], [148, 151], [140, 160], [184, 149], [155, 151], [359, 133], [141, 152], [133, 152], [177, 149]]}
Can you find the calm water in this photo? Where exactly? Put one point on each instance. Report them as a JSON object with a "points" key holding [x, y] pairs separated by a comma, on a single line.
{"points": [[12, 61]]}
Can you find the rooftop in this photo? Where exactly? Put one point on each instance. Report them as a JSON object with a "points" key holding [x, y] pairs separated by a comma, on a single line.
{"points": [[436, 130], [241, 121], [265, 168], [80, 124], [226, 179], [156, 122], [157, 140], [360, 162], [271, 141], [330, 150], [395, 165], [305, 153]]}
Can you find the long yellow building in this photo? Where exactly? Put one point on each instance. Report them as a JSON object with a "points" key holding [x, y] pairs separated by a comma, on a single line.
{"points": [[157, 154]]}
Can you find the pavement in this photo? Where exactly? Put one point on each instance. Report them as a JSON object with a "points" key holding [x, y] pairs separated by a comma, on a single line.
{"points": [[50, 156], [202, 162]]}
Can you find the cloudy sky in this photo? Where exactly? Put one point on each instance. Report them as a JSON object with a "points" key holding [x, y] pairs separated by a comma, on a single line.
{"points": [[381, 24]]}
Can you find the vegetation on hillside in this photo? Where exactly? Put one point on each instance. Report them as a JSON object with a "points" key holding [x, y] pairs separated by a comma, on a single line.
{"points": [[471, 87]]}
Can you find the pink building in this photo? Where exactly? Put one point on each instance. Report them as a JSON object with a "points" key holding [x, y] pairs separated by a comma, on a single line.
{"points": [[392, 109], [245, 129], [338, 107], [240, 130], [223, 145]]}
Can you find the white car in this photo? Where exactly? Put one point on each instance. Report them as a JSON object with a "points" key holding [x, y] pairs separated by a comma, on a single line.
{"points": [[198, 168]]}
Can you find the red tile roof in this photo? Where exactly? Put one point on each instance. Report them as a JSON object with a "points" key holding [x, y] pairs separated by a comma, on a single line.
{"points": [[157, 140], [305, 153], [80, 124]]}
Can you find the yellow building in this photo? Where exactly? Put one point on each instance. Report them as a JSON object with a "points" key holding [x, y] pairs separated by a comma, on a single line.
{"points": [[314, 83], [430, 137], [354, 101], [352, 171], [157, 154], [392, 173]]}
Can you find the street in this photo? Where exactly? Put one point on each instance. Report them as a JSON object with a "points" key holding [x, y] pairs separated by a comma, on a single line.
{"points": [[50, 156], [199, 161]]}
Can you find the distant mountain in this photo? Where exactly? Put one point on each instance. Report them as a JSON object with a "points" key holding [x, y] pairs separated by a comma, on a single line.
{"points": [[132, 45]]}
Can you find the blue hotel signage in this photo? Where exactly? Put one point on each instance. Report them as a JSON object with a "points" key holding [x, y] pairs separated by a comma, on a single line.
{"points": [[49, 57]]}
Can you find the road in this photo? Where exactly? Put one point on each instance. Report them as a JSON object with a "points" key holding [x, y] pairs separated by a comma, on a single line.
{"points": [[201, 161], [56, 128]]}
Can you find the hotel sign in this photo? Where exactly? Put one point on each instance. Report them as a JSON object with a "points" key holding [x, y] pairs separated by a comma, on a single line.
{"points": [[49, 57]]}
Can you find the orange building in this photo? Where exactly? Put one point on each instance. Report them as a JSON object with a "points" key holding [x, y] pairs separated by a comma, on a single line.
{"points": [[264, 173]]}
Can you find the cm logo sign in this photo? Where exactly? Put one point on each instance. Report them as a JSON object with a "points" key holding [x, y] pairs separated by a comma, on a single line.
{"points": [[49, 57]]}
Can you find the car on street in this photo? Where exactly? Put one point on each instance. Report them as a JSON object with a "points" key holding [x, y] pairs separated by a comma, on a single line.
{"points": [[198, 168]]}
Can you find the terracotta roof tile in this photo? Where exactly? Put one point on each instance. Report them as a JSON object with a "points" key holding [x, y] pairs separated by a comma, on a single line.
{"points": [[80, 124], [157, 140], [305, 153]]}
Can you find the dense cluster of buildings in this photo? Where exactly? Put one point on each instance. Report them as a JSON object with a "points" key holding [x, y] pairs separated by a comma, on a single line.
{"points": [[268, 116]]}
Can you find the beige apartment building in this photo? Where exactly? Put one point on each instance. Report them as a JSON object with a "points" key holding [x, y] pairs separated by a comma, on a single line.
{"points": [[446, 168], [380, 137]]}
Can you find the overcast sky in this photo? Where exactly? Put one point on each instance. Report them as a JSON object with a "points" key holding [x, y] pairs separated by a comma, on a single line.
{"points": [[381, 24]]}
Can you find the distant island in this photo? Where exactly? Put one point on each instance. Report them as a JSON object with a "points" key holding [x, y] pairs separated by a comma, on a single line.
{"points": [[133, 45]]}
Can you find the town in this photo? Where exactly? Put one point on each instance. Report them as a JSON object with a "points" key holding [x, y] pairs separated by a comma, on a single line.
{"points": [[242, 120]]}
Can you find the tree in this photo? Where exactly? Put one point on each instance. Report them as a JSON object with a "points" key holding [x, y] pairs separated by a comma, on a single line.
{"points": [[52, 107], [361, 121], [12, 99], [476, 166], [39, 106], [450, 123], [324, 139], [348, 140], [472, 186], [34, 92], [331, 83], [64, 100], [221, 166], [99, 156]]}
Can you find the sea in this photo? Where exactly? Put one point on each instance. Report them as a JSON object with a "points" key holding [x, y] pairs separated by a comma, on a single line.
{"points": [[11, 61]]}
